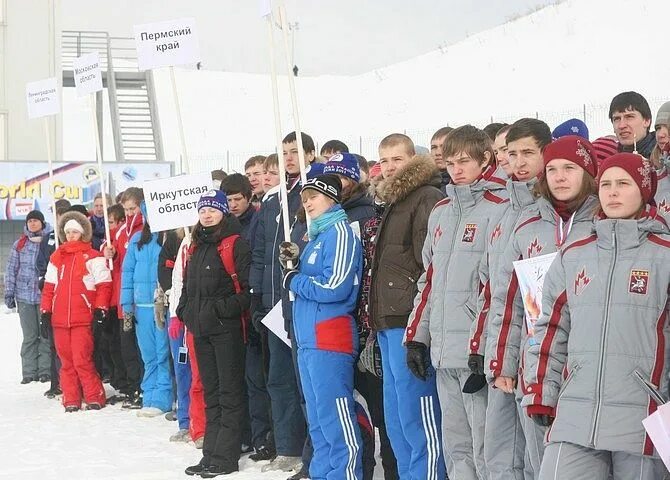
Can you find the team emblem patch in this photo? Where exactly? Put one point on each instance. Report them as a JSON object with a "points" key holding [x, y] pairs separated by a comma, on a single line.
{"points": [[581, 282], [638, 282], [664, 206], [437, 235], [534, 248], [469, 232]]}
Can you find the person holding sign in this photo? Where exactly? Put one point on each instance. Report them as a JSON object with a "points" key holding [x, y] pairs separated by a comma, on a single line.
{"points": [[325, 279], [445, 306], [597, 364], [562, 213], [139, 279], [213, 305]]}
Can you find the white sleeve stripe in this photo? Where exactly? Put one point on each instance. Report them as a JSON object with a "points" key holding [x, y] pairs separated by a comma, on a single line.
{"points": [[51, 276], [98, 268], [340, 268]]}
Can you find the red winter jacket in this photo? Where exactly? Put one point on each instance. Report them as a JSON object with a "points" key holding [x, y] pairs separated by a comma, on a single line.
{"points": [[77, 282], [121, 238]]}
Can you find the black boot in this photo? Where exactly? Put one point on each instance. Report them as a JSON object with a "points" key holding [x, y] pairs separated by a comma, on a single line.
{"points": [[263, 453], [216, 470], [196, 469], [93, 406], [133, 402], [303, 473], [71, 409]]}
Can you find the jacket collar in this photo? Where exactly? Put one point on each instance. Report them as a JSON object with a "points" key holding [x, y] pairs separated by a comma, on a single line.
{"points": [[585, 213], [521, 193], [469, 195], [415, 174], [628, 233]]}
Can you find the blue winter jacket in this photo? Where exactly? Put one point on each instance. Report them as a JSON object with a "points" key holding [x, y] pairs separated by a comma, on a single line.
{"points": [[21, 275], [326, 291], [266, 273], [139, 274]]}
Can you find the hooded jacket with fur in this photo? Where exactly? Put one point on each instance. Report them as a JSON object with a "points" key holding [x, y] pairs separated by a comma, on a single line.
{"points": [[410, 196], [77, 279], [446, 305], [599, 353]]}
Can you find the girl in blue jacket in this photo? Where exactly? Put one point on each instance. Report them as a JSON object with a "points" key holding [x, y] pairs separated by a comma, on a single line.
{"points": [[139, 279], [325, 284]]}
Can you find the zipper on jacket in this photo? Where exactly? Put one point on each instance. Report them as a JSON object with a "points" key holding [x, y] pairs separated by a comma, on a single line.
{"points": [[603, 340], [69, 295], [457, 204]]}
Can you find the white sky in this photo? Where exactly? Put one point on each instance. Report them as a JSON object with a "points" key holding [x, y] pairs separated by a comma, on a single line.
{"points": [[336, 37]]}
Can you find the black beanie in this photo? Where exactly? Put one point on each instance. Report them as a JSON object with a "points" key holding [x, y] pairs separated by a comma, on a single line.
{"points": [[329, 185], [78, 208], [36, 215]]}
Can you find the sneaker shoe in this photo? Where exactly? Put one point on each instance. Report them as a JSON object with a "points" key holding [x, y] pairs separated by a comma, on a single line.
{"points": [[182, 435], [149, 412], [114, 399], [216, 470], [27, 380], [71, 409], [199, 442], [244, 449], [302, 474], [53, 392], [196, 469], [93, 406], [171, 416], [283, 463], [262, 453], [44, 378]]}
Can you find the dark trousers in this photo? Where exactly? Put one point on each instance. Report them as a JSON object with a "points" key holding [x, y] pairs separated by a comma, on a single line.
{"points": [[308, 448], [259, 400], [371, 389], [130, 353], [117, 368], [101, 355], [55, 363], [221, 361]]}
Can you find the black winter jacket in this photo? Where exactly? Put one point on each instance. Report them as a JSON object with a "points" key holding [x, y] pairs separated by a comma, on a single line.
{"points": [[208, 303]]}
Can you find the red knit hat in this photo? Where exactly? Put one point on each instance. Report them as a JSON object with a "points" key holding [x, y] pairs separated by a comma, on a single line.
{"points": [[639, 168], [574, 148], [605, 147]]}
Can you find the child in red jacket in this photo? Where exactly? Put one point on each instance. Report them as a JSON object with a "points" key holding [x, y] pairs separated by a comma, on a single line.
{"points": [[77, 290]]}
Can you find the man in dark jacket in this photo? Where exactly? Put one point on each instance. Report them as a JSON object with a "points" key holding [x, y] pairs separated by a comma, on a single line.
{"points": [[265, 281], [436, 143], [631, 118], [411, 408]]}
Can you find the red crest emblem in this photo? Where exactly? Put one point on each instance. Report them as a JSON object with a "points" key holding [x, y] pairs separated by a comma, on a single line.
{"points": [[437, 235], [534, 248], [664, 206], [581, 282], [469, 233], [638, 282]]}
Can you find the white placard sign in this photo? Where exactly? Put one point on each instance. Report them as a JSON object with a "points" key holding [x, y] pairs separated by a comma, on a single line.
{"points": [[43, 98], [530, 273], [265, 7], [87, 74], [172, 202], [166, 44], [274, 320]]}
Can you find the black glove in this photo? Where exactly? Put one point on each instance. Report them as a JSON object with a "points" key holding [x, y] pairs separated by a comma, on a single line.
{"points": [[289, 252], [256, 319], [100, 316], [543, 420], [45, 324], [417, 359], [10, 302], [476, 364]]}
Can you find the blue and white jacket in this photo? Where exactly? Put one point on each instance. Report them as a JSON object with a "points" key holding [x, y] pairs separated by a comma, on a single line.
{"points": [[326, 290], [139, 275]]}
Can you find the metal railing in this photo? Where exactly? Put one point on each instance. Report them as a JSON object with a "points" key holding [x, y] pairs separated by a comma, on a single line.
{"points": [[121, 49]]}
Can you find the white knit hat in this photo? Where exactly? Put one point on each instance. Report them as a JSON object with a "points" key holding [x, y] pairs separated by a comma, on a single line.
{"points": [[73, 225]]}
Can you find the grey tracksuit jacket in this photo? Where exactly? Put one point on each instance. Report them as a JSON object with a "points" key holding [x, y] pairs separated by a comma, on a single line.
{"points": [[539, 231], [599, 351], [445, 307], [662, 195]]}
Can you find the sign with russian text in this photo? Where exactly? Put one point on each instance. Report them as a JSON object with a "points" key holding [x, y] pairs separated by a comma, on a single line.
{"points": [[166, 44], [173, 202], [43, 98], [87, 74]]}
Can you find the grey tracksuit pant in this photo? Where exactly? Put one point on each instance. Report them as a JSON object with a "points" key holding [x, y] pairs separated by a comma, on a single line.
{"points": [[504, 444], [568, 461], [463, 423], [35, 350], [534, 437]]}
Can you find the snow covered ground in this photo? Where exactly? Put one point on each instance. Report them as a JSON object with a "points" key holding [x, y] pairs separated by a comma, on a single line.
{"points": [[39, 441]]}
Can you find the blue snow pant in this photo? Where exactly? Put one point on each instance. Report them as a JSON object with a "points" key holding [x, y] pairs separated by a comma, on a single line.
{"points": [[287, 417], [155, 351], [411, 412], [182, 373], [328, 385]]}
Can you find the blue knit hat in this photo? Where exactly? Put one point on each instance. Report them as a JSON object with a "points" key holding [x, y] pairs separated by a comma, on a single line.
{"points": [[574, 126], [344, 164], [314, 170], [214, 199]]}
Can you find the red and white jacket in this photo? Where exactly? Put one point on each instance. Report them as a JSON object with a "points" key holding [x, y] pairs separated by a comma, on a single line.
{"points": [[77, 282]]}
